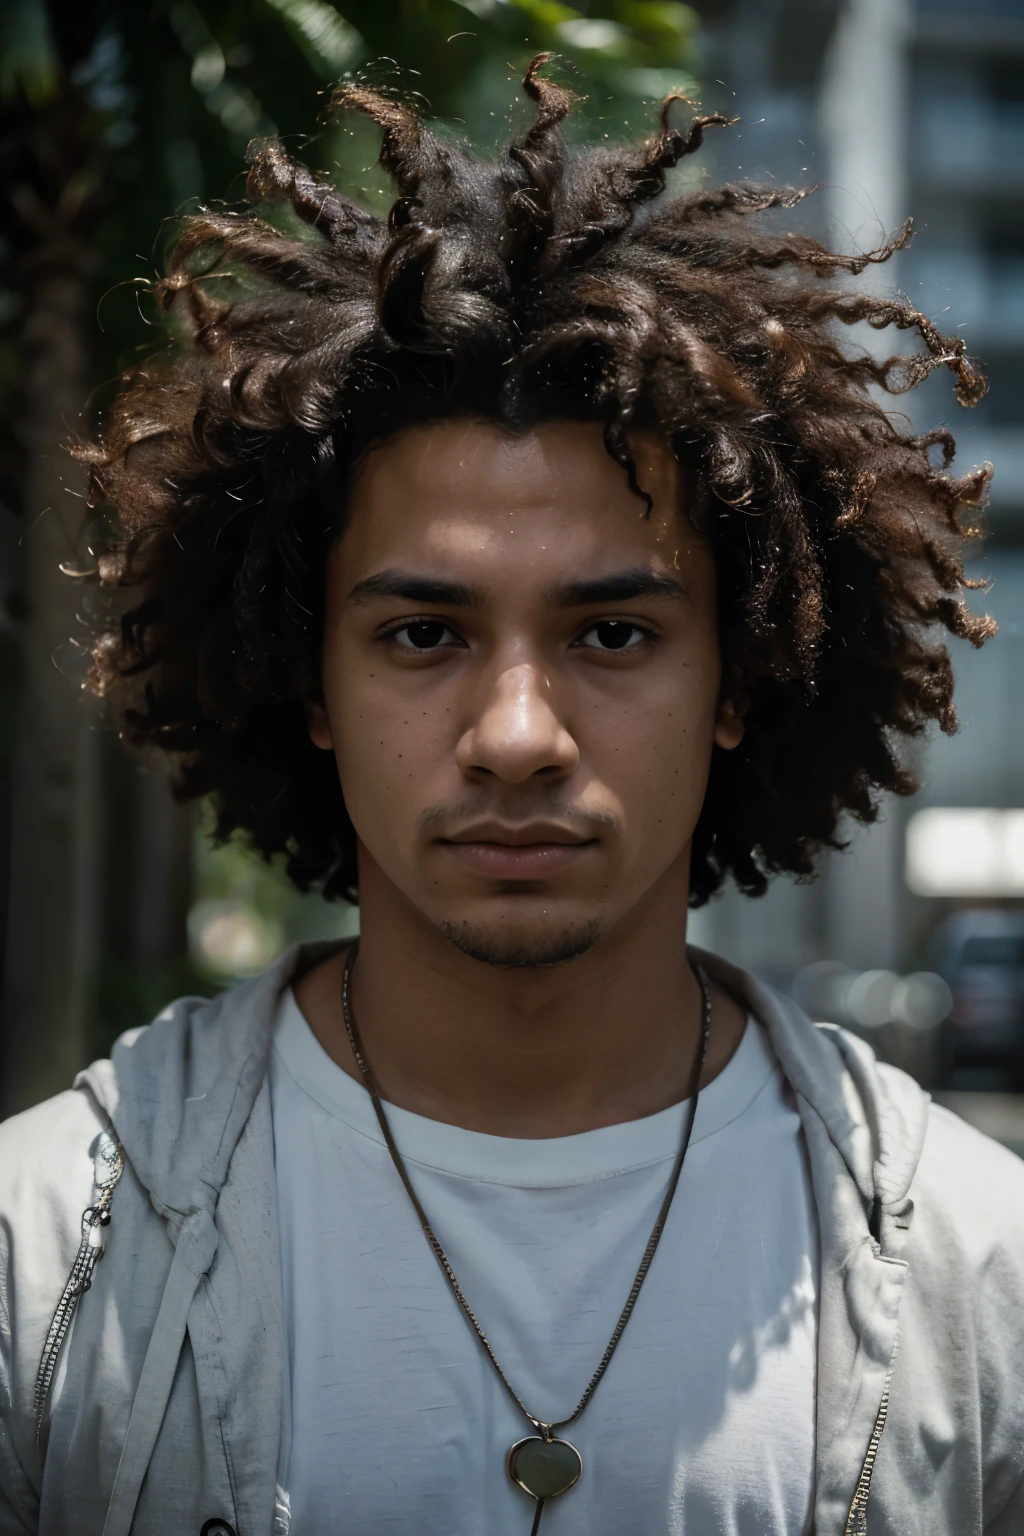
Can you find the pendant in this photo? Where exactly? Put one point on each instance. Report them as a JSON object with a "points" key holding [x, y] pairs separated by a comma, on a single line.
{"points": [[544, 1466]]}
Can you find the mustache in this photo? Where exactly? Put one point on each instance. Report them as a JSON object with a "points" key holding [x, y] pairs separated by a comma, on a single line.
{"points": [[443, 820]]}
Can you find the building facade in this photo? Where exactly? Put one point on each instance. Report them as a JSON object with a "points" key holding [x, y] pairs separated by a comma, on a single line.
{"points": [[904, 107]]}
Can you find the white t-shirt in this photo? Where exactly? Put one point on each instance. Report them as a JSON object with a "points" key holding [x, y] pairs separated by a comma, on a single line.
{"points": [[704, 1421]]}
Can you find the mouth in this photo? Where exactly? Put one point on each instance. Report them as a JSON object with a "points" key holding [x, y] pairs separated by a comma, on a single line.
{"points": [[531, 851]]}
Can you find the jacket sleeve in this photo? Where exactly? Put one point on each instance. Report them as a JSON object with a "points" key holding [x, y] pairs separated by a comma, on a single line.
{"points": [[19, 1506], [46, 1182], [967, 1268]]}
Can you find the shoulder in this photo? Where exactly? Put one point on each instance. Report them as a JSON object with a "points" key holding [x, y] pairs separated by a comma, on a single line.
{"points": [[972, 1189], [46, 1166], [952, 1142], [965, 1250]]}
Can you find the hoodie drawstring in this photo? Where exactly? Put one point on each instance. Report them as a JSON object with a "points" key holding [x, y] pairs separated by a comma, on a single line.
{"points": [[193, 1255]]}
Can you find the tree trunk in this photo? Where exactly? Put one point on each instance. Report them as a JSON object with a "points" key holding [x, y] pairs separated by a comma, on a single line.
{"points": [[55, 879]]}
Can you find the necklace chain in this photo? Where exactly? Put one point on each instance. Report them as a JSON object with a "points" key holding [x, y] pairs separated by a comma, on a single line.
{"points": [[542, 1426]]}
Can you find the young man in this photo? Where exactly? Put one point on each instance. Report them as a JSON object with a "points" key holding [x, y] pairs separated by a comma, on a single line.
{"points": [[529, 567]]}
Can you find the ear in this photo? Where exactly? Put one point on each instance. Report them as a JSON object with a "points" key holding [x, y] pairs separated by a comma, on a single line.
{"points": [[319, 726], [729, 725]]}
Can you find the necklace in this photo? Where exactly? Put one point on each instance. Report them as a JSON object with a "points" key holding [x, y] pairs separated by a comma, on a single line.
{"points": [[542, 1464]]}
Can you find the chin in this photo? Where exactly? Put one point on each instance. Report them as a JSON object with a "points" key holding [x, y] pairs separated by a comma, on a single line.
{"points": [[520, 946]]}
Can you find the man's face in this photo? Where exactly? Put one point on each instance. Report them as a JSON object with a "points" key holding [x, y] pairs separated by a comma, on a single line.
{"points": [[521, 683]]}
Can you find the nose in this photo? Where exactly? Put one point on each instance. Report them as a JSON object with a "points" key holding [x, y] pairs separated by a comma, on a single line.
{"points": [[517, 732]]}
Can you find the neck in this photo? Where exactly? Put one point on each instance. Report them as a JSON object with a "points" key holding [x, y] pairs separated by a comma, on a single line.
{"points": [[553, 1051]]}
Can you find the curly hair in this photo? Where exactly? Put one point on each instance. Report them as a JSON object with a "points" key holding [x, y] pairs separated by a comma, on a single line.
{"points": [[547, 283]]}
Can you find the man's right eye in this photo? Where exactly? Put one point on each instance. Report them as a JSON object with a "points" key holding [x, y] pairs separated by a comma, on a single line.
{"points": [[424, 635]]}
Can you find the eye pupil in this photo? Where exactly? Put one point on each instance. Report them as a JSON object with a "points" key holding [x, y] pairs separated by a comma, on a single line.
{"points": [[426, 634], [613, 634]]}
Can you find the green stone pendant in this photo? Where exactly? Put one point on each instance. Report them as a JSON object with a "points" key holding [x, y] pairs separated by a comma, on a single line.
{"points": [[544, 1468]]}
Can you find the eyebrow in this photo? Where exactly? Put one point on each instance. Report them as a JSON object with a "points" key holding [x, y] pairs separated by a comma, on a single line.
{"points": [[416, 589], [616, 587]]}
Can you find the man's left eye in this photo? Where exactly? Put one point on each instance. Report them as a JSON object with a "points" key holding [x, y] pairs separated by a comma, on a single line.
{"points": [[613, 635]]}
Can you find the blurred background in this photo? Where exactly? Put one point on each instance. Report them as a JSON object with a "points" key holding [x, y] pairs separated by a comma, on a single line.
{"points": [[114, 114]]}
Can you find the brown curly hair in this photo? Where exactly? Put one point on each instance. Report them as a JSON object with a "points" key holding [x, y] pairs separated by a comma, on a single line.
{"points": [[540, 285]]}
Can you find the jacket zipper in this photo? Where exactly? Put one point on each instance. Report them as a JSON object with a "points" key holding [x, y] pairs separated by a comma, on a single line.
{"points": [[857, 1519], [109, 1163]]}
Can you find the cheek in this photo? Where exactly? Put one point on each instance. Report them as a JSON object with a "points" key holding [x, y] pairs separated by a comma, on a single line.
{"points": [[390, 750], [653, 749]]}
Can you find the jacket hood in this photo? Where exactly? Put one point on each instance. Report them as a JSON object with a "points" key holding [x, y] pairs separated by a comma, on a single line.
{"points": [[180, 1091], [875, 1115]]}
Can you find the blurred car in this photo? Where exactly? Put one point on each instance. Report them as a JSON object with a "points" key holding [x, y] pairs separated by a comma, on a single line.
{"points": [[980, 955]]}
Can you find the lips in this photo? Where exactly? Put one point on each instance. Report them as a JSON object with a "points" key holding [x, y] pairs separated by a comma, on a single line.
{"points": [[534, 851]]}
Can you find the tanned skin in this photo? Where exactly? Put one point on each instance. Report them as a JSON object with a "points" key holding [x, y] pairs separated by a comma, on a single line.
{"points": [[521, 688]]}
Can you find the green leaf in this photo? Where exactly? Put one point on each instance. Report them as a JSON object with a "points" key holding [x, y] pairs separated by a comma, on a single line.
{"points": [[546, 13], [656, 84], [28, 56], [593, 33], [327, 39], [659, 18]]}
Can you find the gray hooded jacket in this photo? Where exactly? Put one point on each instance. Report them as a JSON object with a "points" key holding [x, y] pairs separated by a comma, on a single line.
{"points": [[172, 1414]]}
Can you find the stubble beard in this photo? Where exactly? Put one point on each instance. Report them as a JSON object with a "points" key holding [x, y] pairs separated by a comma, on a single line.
{"points": [[517, 953]]}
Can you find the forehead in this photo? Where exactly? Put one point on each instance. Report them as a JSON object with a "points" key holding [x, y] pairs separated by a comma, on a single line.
{"points": [[550, 499]]}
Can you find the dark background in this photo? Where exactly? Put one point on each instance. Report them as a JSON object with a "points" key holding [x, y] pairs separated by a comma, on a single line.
{"points": [[113, 116]]}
